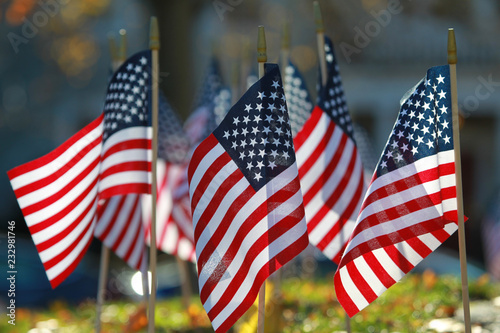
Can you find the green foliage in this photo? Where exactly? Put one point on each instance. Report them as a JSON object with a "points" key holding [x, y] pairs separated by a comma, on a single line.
{"points": [[306, 306]]}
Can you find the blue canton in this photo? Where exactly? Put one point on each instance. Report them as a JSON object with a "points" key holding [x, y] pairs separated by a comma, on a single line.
{"points": [[256, 132], [424, 124], [297, 98], [128, 97], [331, 98]]}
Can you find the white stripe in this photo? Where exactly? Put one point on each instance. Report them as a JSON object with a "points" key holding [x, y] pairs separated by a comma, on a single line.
{"points": [[326, 224], [422, 164], [262, 259], [62, 265], [127, 134], [61, 160], [59, 183], [204, 164], [119, 223], [351, 289], [407, 251], [131, 231], [225, 172], [313, 139], [389, 266], [369, 276], [250, 206], [124, 178], [106, 216]]}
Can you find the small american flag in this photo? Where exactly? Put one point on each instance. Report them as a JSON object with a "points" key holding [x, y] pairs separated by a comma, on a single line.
{"points": [[245, 197], [330, 168], [58, 193], [410, 207]]}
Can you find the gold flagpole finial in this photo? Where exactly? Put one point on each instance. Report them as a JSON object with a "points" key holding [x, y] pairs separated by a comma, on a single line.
{"points": [[122, 49], [154, 34], [317, 17], [452, 47], [261, 45]]}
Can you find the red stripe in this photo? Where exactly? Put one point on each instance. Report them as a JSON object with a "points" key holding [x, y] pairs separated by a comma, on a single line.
{"points": [[393, 237], [398, 258], [113, 218], [200, 152], [41, 183], [142, 143], [63, 191], [136, 223], [273, 202], [318, 151], [405, 208], [360, 282], [350, 308], [419, 246], [122, 225], [307, 128], [125, 189], [260, 245], [224, 225], [335, 193], [126, 166], [207, 178], [343, 219], [411, 181], [60, 257], [66, 230], [378, 269], [214, 204], [61, 277], [41, 161], [65, 211]]}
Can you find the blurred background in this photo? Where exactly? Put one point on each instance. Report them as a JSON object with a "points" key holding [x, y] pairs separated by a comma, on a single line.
{"points": [[54, 68]]}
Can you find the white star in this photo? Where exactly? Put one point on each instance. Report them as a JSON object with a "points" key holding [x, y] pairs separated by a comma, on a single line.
{"points": [[251, 154], [271, 107], [442, 94], [281, 120], [388, 154], [410, 136], [266, 129], [282, 108], [274, 95], [129, 67], [400, 134], [434, 87], [261, 95], [253, 142], [445, 124], [259, 107], [275, 84], [430, 96], [274, 153], [261, 153], [264, 141], [257, 118], [399, 158], [404, 148], [143, 60], [430, 144], [243, 144], [235, 145], [443, 109], [249, 165], [128, 119], [257, 176], [135, 90], [420, 116], [430, 120], [440, 79], [394, 145], [406, 124], [426, 106], [248, 107], [414, 127], [287, 144], [279, 131], [420, 140], [276, 142], [259, 164], [425, 130], [244, 131], [235, 132], [383, 164], [285, 155], [272, 165], [446, 139], [138, 69], [412, 114], [414, 150], [246, 119], [255, 130], [236, 121], [269, 118]]}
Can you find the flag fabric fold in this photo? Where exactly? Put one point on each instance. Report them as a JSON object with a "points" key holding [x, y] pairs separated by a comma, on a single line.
{"points": [[246, 201], [410, 207], [58, 193], [330, 168]]}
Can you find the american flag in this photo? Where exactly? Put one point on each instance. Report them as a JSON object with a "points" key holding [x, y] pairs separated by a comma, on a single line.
{"points": [[212, 104], [246, 201], [330, 168], [58, 193], [298, 100], [410, 207]]}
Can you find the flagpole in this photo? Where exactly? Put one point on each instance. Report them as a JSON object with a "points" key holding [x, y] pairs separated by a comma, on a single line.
{"points": [[452, 61], [285, 48], [154, 45], [117, 58], [320, 36], [261, 58]]}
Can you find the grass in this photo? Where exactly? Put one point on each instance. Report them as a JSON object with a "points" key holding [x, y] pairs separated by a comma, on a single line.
{"points": [[302, 306]]}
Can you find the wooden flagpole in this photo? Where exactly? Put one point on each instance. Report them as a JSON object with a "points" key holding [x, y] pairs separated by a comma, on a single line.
{"points": [[262, 59], [320, 36], [154, 45], [117, 58], [452, 61]]}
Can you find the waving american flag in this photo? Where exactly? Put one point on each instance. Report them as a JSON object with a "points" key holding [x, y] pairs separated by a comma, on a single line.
{"points": [[330, 168], [58, 193], [410, 207], [245, 197]]}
